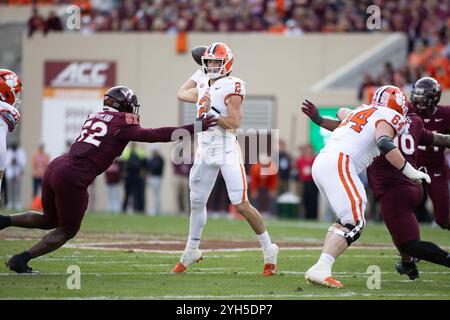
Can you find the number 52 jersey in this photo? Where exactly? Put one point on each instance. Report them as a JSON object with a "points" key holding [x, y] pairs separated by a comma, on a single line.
{"points": [[355, 136]]}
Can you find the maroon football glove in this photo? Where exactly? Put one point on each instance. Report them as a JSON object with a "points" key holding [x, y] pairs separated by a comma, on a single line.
{"points": [[312, 112], [208, 122]]}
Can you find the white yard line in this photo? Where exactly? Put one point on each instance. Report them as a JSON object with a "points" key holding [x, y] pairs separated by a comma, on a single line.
{"points": [[245, 296], [195, 271], [87, 247]]}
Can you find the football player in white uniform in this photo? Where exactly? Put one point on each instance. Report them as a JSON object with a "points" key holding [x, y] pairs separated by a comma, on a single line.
{"points": [[10, 90], [217, 93], [359, 138]]}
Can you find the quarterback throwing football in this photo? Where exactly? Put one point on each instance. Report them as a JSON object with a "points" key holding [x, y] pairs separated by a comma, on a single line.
{"points": [[217, 93]]}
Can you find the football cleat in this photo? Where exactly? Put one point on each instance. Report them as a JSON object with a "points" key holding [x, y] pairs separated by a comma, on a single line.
{"points": [[408, 268], [322, 278], [15, 263], [189, 257], [270, 260]]}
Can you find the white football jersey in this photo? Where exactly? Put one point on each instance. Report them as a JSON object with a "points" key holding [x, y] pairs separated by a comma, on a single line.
{"points": [[219, 92], [355, 135]]}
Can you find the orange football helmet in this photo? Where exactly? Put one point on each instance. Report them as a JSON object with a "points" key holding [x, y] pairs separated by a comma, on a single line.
{"points": [[391, 97], [10, 87], [217, 51]]}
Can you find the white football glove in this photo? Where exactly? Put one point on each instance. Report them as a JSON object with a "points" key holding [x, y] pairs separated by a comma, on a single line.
{"points": [[10, 115], [415, 175]]}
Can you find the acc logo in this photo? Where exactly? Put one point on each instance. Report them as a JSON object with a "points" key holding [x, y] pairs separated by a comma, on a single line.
{"points": [[82, 74]]}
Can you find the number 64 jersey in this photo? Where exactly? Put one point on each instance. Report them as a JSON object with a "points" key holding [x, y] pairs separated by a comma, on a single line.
{"points": [[355, 136], [350, 149]]}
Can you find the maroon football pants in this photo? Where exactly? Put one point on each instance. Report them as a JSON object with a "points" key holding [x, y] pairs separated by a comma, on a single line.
{"points": [[438, 192], [397, 205], [64, 204]]}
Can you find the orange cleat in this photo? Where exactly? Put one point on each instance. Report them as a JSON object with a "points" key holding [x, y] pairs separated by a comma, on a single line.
{"points": [[189, 257], [333, 283], [179, 268], [269, 269]]}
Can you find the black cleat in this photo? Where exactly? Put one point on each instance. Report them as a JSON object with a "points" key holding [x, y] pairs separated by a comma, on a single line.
{"points": [[17, 264], [408, 268]]}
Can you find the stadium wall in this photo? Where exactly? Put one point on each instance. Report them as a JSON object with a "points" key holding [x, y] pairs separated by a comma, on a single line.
{"points": [[272, 65]]}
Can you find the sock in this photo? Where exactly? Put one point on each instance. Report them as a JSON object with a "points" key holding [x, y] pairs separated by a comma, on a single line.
{"points": [[411, 259], [25, 256], [326, 259], [5, 221], [264, 239], [197, 222], [427, 251]]}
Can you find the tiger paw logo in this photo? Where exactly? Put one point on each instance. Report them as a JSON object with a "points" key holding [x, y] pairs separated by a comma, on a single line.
{"points": [[11, 80], [400, 99]]}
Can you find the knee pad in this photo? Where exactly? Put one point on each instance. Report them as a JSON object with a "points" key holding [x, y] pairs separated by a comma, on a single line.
{"points": [[350, 236]]}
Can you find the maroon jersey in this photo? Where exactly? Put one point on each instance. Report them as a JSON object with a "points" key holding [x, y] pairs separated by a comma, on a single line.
{"points": [[431, 157], [103, 137], [381, 174]]}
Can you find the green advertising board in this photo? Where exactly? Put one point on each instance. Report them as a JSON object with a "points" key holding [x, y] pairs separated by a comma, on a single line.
{"points": [[318, 136]]}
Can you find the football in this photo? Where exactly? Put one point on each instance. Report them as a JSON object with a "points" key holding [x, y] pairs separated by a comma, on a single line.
{"points": [[197, 54]]}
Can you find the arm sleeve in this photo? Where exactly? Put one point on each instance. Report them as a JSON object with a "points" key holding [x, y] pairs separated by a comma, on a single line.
{"points": [[165, 134], [426, 138]]}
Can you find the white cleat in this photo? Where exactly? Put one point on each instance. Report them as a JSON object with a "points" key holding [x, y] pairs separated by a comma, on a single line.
{"points": [[270, 260], [322, 277], [189, 257]]}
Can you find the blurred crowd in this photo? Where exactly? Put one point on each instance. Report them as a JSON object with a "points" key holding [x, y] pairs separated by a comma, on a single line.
{"points": [[416, 17], [426, 23]]}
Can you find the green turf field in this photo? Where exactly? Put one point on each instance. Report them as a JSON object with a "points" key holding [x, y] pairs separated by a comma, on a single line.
{"points": [[223, 274]]}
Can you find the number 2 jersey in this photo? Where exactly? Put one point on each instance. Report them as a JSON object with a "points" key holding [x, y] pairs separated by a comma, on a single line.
{"points": [[355, 136], [381, 174], [103, 138], [220, 92]]}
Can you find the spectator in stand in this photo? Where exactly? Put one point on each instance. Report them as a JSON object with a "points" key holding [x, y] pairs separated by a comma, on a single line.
{"points": [[284, 168], [39, 162], [113, 178], [310, 191], [155, 167], [263, 185], [53, 23], [15, 165], [367, 89], [36, 23], [134, 171]]}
